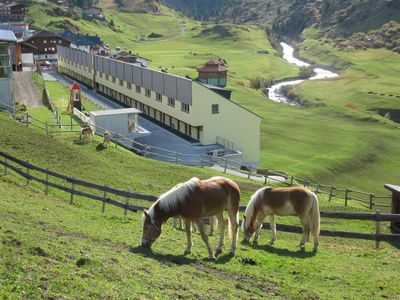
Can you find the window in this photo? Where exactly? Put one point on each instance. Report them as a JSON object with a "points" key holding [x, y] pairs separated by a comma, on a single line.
{"points": [[185, 107], [171, 102], [113, 79], [129, 85], [60, 41], [138, 89], [158, 97], [215, 109], [147, 92], [106, 76], [121, 82], [5, 66], [44, 41]]}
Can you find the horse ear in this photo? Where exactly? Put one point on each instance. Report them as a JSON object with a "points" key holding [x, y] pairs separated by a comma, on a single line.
{"points": [[146, 213]]}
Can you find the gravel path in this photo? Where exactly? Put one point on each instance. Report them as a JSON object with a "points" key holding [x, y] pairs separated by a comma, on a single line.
{"points": [[25, 91]]}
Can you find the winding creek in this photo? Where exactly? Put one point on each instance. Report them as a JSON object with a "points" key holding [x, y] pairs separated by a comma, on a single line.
{"points": [[275, 93]]}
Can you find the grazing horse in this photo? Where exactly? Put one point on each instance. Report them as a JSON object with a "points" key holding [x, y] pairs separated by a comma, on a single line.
{"points": [[106, 139], [86, 132], [282, 202], [193, 201]]}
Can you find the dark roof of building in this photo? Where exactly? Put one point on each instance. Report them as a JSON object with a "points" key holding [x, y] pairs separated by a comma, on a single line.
{"points": [[43, 33], [10, 4], [213, 65], [80, 39]]}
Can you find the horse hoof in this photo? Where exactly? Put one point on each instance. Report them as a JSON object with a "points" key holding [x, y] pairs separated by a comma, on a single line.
{"points": [[271, 242], [218, 252], [187, 252], [232, 253], [213, 258], [255, 242]]}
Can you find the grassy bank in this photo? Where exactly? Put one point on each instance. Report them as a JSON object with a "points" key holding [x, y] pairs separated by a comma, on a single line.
{"points": [[51, 249]]}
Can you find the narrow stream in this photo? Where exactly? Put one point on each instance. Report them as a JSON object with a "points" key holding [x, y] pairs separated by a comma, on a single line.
{"points": [[275, 92]]}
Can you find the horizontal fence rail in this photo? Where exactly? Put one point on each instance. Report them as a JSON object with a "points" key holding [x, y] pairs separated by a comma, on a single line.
{"points": [[24, 169]]}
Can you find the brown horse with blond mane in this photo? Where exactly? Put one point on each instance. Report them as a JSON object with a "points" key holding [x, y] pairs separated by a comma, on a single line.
{"points": [[282, 202], [194, 200]]}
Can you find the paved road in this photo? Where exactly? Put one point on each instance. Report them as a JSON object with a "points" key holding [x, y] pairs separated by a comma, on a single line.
{"points": [[25, 91], [189, 153]]}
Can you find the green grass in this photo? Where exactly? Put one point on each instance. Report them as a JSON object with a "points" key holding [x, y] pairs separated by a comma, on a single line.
{"points": [[50, 249], [328, 143]]}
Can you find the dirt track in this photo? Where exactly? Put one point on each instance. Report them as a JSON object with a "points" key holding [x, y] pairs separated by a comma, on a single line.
{"points": [[25, 91]]}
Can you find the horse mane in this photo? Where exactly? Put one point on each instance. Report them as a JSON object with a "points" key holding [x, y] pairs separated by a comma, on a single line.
{"points": [[169, 200], [251, 206]]}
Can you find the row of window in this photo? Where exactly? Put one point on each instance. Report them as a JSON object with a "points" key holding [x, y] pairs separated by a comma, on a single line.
{"points": [[45, 41], [147, 92], [152, 112]]}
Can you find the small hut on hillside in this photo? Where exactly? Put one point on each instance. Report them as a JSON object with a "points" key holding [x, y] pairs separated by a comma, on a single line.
{"points": [[213, 73]]}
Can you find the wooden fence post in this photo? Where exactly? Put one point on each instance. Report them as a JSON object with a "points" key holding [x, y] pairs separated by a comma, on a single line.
{"points": [[291, 180], [47, 127], [226, 165], [331, 192], [317, 189], [249, 175], [126, 205], [103, 206], [71, 199], [203, 160], [46, 188], [27, 120], [145, 151], [27, 173], [378, 228], [371, 199], [346, 196], [71, 121], [177, 158]]}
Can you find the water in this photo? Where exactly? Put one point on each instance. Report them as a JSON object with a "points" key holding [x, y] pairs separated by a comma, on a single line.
{"points": [[275, 92]]}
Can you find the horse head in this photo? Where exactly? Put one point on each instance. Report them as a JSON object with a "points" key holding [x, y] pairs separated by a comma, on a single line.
{"points": [[248, 228], [151, 230]]}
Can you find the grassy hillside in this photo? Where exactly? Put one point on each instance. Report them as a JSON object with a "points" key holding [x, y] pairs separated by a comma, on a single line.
{"points": [[51, 249], [327, 143]]}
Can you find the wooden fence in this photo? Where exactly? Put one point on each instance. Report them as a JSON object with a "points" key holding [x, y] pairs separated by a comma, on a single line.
{"points": [[24, 169]]}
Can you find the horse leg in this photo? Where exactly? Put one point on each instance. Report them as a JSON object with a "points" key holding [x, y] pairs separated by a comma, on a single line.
{"points": [[188, 228], [221, 224], [234, 228], [306, 231], [213, 224], [260, 220], [204, 237], [273, 229]]}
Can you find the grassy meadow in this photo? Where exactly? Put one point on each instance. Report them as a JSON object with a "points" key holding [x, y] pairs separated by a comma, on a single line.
{"points": [[50, 249], [328, 142]]}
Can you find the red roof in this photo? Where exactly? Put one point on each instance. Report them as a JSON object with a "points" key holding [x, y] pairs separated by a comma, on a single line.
{"points": [[213, 65]]}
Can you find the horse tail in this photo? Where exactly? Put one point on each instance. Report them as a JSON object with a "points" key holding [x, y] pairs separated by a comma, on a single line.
{"points": [[230, 229], [314, 216]]}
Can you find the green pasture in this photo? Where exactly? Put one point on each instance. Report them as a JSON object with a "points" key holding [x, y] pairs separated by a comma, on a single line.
{"points": [[51, 249], [328, 142], [368, 78]]}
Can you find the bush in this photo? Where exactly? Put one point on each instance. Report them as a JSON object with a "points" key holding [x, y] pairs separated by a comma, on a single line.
{"points": [[257, 82]]}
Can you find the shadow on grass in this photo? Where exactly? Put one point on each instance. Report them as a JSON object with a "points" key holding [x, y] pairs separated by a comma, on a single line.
{"points": [[163, 258], [300, 253], [100, 147]]}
